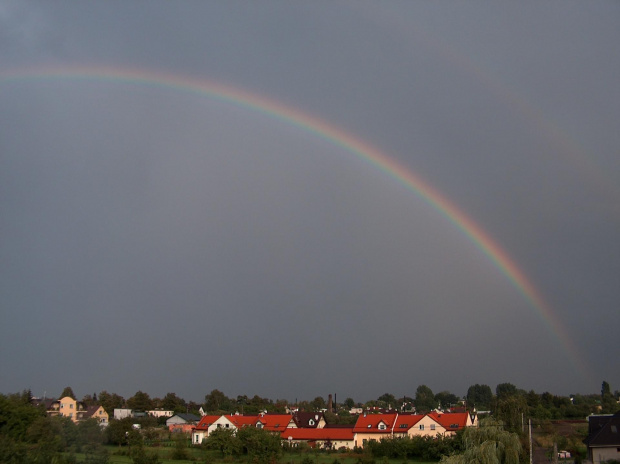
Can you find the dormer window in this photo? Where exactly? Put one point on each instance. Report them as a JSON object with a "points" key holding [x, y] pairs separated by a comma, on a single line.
{"points": [[369, 426], [382, 426], [403, 426], [311, 422]]}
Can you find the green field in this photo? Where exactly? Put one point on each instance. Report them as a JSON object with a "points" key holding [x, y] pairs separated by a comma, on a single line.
{"points": [[121, 456]]}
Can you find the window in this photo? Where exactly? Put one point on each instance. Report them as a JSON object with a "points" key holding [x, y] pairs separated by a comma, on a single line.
{"points": [[71, 406], [432, 426], [403, 426], [421, 426], [369, 425]]}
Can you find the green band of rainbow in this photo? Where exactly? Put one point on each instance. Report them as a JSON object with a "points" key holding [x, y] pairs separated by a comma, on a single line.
{"points": [[336, 136]]}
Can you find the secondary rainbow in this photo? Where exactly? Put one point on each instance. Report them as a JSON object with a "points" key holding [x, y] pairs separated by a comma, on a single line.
{"points": [[327, 131]]}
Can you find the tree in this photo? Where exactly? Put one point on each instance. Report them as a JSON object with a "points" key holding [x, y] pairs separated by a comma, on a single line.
{"points": [[171, 402], [505, 390], [110, 401], [479, 397], [387, 400], [349, 403], [68, 391], [446, 399], [424, 399], [487, 444], [140, 401], [512, 411], [118, 430], [318, 403], [216, 401], [225, 441], [261, 446]]}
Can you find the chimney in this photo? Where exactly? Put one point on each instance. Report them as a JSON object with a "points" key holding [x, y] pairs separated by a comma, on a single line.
{"points": [[329, 403]]}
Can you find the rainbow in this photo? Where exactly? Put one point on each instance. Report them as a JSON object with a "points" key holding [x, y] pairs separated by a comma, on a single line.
{"points": [[332, 134]]}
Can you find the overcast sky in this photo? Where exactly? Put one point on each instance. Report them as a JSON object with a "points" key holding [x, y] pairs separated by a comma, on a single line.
{"points": [[166, 241]]}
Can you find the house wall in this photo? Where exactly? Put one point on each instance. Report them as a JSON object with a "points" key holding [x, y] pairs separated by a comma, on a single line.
{"points": [[121, 413], [426, 427], [361, 436], [102, 416], [68, 408], [605, 454]]}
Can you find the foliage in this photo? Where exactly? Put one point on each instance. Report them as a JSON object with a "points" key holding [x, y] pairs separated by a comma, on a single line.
{"points": [[216, 402], [140, 401], [180, 451], [487, 444], [505, 390], [424, 399], [479, 397], [387, 400], [110, 401], [446, 399], [117, 431], [512, 411], [261, 446], [171, 402], [225, 441], [419, 448], [68, 391]]}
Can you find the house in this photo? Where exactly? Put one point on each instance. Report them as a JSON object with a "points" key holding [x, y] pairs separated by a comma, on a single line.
{"points": [[323, 438], [373, 427], [454, 421], [182, 423], [160, 413], [208, 424], [95, 412], [603, 439], [121, 413], [273, 422], [420, 425]]}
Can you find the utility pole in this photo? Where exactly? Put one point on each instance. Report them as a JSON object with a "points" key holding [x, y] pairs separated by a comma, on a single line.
{"points": [[530, 433]]}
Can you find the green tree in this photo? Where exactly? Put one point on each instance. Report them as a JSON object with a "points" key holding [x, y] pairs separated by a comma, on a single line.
{"points": [[487, 444], [349, 403], [225, 441], [171, 402], [512, 412], [318, 403], [117, 431], [505, 390], [68, 391], [216, 401], [387, 400], [446, 399], [140, 401], [479, 397], [110, 401], [261, 446], [424, 399]]}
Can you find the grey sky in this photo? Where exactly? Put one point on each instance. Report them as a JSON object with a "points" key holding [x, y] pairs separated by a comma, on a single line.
{"points": [[160, 240]]}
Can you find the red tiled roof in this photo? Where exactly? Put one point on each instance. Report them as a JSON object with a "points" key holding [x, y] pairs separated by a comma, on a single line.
{"points": [[369, 423], [206, 421], [242, 421], [451, 421], [275, 422], [405, 421], [317, 434]]}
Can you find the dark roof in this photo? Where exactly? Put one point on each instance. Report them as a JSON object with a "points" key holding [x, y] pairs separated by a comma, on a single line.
{"points": [[302, 419], [604, 430], [188, 417]]}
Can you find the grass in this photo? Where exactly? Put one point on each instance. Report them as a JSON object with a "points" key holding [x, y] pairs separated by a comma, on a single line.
{"points": [[121, 456]]}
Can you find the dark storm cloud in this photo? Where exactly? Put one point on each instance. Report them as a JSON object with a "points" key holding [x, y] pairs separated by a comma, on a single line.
{"points": [[162, 241]]}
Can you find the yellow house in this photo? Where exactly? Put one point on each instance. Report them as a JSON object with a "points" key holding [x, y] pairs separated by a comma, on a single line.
{"points": [[76, 410]]}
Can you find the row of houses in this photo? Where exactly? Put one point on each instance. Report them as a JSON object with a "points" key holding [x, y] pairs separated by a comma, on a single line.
{"points": [[311, 428]]}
